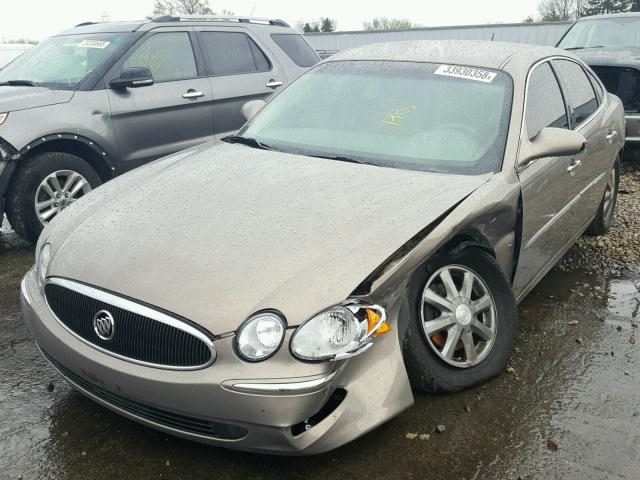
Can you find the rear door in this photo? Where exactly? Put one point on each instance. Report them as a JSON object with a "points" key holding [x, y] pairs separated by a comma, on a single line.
{"points": [[548, 192], [172, 114], [241, 69], [589, 167]]}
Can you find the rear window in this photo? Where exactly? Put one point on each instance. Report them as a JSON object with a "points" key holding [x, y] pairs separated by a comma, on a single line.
{"points": [[579, 89], [296, 49], [232, 53]]}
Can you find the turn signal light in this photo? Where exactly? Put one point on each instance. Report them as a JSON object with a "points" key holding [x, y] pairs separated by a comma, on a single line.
{"points": [[373, 318]]}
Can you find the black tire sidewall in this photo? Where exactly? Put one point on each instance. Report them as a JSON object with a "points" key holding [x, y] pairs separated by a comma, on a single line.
{"points": [[27, 180], [426, 370]]}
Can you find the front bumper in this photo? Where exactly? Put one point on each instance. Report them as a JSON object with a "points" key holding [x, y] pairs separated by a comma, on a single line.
{"points": [[246, 411]]}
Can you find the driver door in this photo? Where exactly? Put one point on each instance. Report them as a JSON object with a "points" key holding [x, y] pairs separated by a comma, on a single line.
{"points": [[174, 113], [547, 185]]}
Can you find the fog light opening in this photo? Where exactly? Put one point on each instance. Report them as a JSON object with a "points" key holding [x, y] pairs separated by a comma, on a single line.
{"points": [[334, 402]]}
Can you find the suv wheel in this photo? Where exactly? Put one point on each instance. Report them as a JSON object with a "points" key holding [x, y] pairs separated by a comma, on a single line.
{"points": [[43, 186]]}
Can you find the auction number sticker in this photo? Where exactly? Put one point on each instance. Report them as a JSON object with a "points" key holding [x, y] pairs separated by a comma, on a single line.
{"points": [[470, 73], [94, 44]]}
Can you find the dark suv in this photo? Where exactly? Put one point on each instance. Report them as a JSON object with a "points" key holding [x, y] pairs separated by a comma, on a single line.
{"points": [[610, 45], [103, 98]]}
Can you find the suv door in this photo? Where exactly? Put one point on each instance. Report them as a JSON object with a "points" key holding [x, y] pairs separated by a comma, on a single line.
{"points": [[548, 195], [589, 167], [241, 69], [172, 114]]}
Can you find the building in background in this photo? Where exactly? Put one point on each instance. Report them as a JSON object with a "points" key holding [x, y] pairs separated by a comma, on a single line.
{"points": [[546, 33], [9, 51]]}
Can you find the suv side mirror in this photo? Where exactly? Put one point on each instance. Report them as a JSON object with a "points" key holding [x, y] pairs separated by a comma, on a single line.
{"points": [[132, 77], [551, 142], [251, 109]]}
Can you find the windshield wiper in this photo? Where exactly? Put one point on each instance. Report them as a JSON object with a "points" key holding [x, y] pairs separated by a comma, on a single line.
{"points": [[251, 142], [342, 158], [19, 83], [582, 48]]}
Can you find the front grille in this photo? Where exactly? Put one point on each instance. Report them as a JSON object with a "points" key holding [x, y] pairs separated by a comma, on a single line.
{"points": [[162, 341], [623, 82], [199, 426]]}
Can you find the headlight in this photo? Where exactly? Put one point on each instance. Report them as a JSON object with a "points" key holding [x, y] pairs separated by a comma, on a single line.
{"points": [[3, 117], [42, 262], [338, 332], [260, 336]]}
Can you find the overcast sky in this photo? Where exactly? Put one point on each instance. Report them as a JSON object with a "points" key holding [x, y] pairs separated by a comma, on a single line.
{"points": [[37, 19]]}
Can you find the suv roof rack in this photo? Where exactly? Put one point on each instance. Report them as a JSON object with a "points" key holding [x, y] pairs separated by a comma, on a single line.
{"points": [[217, 18]]}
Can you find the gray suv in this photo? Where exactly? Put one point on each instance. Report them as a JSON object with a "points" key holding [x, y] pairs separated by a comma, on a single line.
{"points": [[103, 98]]}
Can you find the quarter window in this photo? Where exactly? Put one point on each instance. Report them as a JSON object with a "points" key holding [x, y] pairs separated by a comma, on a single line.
{"points": [[545, 106], [232, 53], [296, 49], [580, 92], [169, 57]]}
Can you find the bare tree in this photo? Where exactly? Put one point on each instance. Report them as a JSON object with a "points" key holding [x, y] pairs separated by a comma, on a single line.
{"points": [[557, 10], [384, 23], [182, 7]]}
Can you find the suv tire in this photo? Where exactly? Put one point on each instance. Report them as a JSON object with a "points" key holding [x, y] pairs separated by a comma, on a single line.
{"points": [[21, 196]]}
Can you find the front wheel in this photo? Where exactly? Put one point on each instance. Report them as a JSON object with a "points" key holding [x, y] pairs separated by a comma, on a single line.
{"points": [[43, 186], [463, 323]]}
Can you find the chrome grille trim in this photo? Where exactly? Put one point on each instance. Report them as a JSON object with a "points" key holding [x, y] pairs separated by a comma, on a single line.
{"points": [[133, 307]]}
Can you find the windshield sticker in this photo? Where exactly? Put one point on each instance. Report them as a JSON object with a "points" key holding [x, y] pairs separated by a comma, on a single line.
{"points": [[469, 73], [396, 117], [94, 44]]}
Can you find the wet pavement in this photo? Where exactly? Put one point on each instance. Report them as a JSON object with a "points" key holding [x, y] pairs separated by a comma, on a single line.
{"points": [[575, 384]]}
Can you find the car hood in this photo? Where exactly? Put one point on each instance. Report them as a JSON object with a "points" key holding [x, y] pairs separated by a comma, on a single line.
{"points": [[611, 57], [230, 230], [22, 98]]}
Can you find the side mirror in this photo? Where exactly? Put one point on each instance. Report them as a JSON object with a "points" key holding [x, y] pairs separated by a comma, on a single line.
{"points": [[251, 109], [551, 142], [132, 77]]}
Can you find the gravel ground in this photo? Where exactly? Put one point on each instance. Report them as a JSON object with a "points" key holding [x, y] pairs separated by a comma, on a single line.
{"points": [[618, 251]]}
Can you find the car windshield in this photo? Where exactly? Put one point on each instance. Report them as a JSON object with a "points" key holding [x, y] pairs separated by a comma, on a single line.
{"points": [[416, 116], [62, 62], [616, 32]]}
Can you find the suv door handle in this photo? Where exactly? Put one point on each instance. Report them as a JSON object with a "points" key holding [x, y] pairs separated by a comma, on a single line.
{"points": [[191, 93], [273, 84], [575, 163], [613, 134]]}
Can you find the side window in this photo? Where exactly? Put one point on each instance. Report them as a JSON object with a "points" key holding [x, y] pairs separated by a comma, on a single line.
{"points": [[168, 55], [232, 53], [296, 49], [580, 92], [596, 86], [545, 106]]}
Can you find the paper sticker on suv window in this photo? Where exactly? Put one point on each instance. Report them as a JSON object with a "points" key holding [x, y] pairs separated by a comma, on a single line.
{"points": [[470, 73], [396, 116], [94, 44]]}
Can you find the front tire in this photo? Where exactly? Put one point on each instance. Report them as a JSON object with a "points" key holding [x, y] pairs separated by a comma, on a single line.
{"points": [[602, 221], [43, 186], [463, 322]]}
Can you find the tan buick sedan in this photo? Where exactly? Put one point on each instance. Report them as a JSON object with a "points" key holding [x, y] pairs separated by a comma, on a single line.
{"points": [[367, 233]]}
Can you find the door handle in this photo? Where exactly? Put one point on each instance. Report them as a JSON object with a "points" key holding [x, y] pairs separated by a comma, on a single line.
{"points": [[193, 94], [273, 84], [613, 134], [575, 163]]}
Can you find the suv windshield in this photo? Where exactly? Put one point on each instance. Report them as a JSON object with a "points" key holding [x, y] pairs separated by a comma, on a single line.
{"points": [[63, 62], [415, 116], [616, 32]]}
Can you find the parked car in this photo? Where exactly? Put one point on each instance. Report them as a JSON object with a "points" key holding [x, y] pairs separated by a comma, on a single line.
{"points": [[10, 51], [610, 45], [101, 99], [369, 231]]}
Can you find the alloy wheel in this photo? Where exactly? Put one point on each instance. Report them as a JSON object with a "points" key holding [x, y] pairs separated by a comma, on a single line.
{"points": [[609, 194], [57, 191], [458, 316]]}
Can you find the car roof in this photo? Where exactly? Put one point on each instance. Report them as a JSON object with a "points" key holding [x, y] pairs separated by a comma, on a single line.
{"points": [[611, 15], [172, 21], [486, 54]]}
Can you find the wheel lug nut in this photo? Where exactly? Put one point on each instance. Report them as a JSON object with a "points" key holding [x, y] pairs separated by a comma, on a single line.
{"points": [[55, 205]]}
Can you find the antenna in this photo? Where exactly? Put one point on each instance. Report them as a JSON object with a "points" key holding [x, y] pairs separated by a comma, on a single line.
{"points": [[252, 10]]}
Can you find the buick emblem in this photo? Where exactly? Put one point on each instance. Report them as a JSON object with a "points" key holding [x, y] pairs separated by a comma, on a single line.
{"points": [[104, 325]]}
